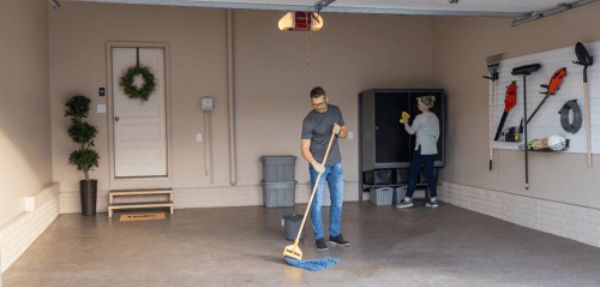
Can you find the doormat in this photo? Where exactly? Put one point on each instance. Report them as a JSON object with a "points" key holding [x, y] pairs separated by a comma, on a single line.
{"points": [[142, 216]]}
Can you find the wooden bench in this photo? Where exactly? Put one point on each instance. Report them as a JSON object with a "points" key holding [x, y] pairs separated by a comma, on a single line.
{"points": [[133, 193]]}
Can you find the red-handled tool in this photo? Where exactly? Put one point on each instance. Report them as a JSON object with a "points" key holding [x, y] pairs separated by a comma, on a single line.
{"points": [[551, 89], [510, 100]]}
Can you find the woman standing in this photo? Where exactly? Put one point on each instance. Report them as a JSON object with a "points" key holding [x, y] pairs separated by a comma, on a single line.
{"points": [[427, 127]]}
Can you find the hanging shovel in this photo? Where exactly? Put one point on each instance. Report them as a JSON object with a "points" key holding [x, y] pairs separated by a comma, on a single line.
{"points": [[584, 59]]}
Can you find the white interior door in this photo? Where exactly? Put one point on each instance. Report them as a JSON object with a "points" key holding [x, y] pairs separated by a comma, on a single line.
{"points": [[140, 143]]}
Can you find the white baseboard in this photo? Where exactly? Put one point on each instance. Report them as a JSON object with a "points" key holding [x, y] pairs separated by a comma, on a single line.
{"points": [[221, 196], [18, 234], [566, 220]]}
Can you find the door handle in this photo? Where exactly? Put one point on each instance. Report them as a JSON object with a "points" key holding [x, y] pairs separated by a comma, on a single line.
{"points": [[116, 119]]}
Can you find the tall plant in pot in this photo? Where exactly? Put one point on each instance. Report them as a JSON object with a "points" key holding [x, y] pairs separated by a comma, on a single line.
{"points": [[85, 158]]}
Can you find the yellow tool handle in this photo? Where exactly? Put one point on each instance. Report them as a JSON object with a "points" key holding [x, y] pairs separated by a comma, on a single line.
{"points": [[312, 194]]}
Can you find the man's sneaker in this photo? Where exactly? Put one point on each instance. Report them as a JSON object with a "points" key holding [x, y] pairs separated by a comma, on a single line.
{"points": [[321, 245], [338, 240], [405, 203], [432, 203]]}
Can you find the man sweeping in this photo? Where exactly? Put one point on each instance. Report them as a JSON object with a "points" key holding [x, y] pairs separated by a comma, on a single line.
{"points": [[316, 130]]}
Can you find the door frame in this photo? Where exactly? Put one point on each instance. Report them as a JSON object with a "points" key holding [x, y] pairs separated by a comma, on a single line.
{"points": [[148, 181]]}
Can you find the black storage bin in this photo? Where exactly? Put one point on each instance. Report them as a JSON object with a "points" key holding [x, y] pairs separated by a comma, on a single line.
{"points": [[402, 175], [380, 177]]}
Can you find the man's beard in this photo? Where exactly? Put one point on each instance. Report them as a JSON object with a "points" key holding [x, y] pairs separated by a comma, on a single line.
{"points": [[321, 110]]}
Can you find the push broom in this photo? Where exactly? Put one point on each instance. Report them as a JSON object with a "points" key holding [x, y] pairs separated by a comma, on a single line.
{"points": [[292, 253], [525, 71]]}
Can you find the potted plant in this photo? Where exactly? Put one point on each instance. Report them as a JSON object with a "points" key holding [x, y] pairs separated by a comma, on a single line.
{"points": [[85, 157]]}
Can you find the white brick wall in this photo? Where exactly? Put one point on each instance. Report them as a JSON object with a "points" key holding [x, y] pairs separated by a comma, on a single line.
{"points": [[566, 220], [18, 234], [250, 195]]}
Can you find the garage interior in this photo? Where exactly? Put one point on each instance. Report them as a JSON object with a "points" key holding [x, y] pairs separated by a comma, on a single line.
{"points": [[232, 88]]}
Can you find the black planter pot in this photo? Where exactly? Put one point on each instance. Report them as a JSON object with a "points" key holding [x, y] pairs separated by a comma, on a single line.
{"points": [[88, 192]]}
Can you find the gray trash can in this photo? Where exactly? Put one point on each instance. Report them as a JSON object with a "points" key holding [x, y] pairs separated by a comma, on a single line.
{"points": [[291, 224]]}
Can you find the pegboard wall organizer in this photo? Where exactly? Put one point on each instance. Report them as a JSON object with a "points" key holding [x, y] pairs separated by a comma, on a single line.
{"points": [[547, 121]]}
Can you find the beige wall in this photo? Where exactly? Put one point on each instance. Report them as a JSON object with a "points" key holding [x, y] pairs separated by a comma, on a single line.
{"points": [[352, 53], [78, 65], [24, 113], [461, 47]]}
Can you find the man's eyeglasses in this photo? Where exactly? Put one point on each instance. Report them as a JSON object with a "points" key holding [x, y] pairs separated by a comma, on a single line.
{"points": [[318, 105]]}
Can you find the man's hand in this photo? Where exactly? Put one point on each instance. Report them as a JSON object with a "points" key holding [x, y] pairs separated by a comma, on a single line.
{"points": [[305, 149], [336, 129], [318, 167]]}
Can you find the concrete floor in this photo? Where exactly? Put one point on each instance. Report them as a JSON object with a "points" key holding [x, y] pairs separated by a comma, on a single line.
{"points": [[242, 247]]}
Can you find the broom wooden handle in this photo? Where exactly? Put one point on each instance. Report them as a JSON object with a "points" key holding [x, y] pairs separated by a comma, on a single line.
{"points": [[312, 194], [586, 104], [490, 122]]}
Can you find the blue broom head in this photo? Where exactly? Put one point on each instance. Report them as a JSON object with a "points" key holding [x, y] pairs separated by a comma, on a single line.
{"points": [[313, 264]]}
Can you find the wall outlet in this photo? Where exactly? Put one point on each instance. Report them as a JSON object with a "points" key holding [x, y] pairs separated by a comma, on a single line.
{"points": [[199, 137], [29, 203]]}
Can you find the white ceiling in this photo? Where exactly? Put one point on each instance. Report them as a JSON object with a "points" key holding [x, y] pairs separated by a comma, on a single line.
{"points": [[506, 8]]}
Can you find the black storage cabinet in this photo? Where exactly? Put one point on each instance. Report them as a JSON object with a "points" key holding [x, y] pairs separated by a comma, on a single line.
{"points": [[386, 149]]}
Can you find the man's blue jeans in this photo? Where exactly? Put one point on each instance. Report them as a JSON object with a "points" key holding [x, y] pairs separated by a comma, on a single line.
{"points": [[334, 176]]}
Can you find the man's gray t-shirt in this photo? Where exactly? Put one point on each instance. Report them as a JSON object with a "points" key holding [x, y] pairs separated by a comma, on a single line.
{"points": [[317, 127]]}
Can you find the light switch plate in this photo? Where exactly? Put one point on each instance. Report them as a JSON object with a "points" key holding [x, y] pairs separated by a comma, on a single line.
{"points": [[101, 108], [199, 137], [350, 135]]}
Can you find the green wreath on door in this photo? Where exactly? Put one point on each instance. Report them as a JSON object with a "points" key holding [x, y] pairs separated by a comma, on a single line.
{"points": [[133, 91]]}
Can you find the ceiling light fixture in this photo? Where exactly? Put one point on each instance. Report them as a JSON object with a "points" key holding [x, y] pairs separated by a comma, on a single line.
{"points": [[304, 21], [301, 21]]}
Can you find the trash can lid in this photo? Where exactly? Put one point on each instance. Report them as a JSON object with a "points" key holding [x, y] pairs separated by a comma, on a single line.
{"points": [[293, 217]]}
